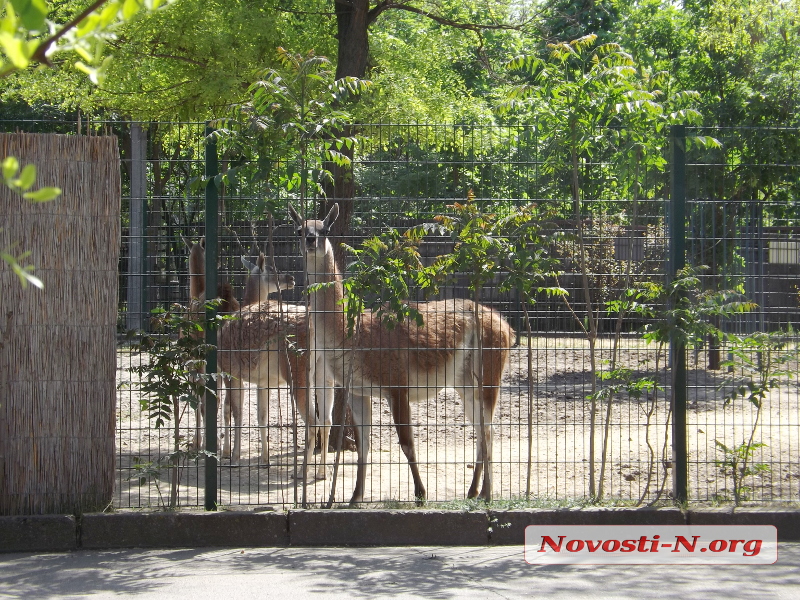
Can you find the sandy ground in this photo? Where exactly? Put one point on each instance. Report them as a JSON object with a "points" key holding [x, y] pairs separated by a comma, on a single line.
{"points": [[635, 467]]}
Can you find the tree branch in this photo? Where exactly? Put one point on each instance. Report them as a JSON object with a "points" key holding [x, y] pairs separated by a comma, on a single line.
{"points": [[382, 7], [41, 52]]}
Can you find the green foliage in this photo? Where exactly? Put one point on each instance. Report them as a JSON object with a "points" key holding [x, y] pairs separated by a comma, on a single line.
{"points": [[21, 182], [24, 40], [385, 274], [174, 379], [759, 363], [27, 36], [294, 115], [688, 314], [737, 462], [175, 353], [595, 104]]}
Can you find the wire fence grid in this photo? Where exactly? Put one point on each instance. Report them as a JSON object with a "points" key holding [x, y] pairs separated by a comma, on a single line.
{"points": [[741, 224]]}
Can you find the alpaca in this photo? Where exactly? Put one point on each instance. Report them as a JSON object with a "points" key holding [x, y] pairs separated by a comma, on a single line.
{"points": [[265, 346], [197, 280], [197, 299], [409, 363]]}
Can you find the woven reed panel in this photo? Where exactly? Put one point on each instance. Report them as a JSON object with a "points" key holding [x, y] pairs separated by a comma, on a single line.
{"points": [[58, 345]]}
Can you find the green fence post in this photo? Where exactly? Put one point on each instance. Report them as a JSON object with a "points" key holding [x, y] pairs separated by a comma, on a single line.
{"points": [[212, 201], [677, 260]]}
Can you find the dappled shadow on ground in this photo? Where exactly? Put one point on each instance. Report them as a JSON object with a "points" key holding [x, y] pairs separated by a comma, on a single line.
{"points": [[369, 572]]}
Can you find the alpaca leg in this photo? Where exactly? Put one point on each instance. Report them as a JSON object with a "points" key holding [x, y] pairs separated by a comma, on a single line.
{"points": [[490, 397], [197, 442], [226, 417], [263, 422], [362, 420], [401, 412], [234, 408], [472, 412], [323, 385]]}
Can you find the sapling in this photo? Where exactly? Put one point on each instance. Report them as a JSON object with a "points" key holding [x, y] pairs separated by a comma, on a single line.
{"points": [[174, 377]]}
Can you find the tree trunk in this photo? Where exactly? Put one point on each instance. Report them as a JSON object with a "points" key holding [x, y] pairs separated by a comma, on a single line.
{"points": [[352, 20], [352, 32]]}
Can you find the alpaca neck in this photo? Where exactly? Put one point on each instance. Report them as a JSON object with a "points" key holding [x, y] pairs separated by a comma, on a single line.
{"points": [[197, 285], [326, 303], [254, 292]]}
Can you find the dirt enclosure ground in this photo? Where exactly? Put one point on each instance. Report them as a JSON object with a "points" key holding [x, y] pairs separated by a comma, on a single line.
{"points": [[633, 434]]}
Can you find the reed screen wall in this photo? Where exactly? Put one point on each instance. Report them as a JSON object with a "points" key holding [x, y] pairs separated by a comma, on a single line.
{"points": [[58, 344]]}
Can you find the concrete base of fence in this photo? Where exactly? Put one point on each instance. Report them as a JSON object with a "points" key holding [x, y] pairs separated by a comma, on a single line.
{"points": [[787, 522], [59, 533], [38, 533], [181, 530], [387, 528], [508, 526]]}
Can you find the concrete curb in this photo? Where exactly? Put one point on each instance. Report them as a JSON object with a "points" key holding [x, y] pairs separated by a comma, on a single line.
{"points": [[387, 528], [787, 522], [180, 530], [58, 533], [40, 533], [508, 526]]}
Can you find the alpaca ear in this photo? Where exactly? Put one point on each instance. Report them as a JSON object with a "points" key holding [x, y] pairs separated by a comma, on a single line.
{"points": [[330, 219], [187, 243], [261, 261], [295, 216], [203, 243], [248, 265]]}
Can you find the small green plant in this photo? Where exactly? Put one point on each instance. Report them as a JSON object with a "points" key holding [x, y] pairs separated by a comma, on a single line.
{"points": [[174, 380], [764, 362], [737, 462], [387, 271], [677, 311]]}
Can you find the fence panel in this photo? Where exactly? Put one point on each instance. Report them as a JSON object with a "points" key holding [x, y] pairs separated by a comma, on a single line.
{"points": [[587, 415]]}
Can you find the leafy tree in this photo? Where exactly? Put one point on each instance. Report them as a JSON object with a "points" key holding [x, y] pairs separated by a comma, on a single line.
{"points": [[28, 37], [293, 114], [597, 105]]}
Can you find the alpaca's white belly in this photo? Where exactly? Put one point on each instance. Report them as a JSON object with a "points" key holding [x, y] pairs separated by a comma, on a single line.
{"points": [[421, 385], [266, 373]]}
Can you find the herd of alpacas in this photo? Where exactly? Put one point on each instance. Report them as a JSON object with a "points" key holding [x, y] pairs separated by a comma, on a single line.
{"points": [[272, 343]]}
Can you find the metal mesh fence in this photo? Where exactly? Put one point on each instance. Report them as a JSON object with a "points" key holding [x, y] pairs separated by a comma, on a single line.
{"points": [[576, 416]]}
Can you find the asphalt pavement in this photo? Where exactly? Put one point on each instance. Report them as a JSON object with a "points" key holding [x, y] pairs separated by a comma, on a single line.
{"points": [[398, 573]]}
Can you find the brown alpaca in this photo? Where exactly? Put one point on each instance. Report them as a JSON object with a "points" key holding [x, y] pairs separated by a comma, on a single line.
{"points": [[406, 364], [197, 280], [266, 346], [197, 299]]}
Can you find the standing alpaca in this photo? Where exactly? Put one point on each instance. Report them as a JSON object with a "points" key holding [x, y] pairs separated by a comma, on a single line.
{"points": [[406, 364], [197, 299], [197, 280], [265, 346]]}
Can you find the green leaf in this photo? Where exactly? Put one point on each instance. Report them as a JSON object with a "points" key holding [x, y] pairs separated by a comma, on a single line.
{"points": [[26, 178], [32, 13], [10, 167], [45, 194], [17, 50], [130, 8]]}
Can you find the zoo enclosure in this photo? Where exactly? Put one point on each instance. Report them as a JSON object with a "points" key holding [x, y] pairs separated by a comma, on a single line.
{"points": [[740, 221]]}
